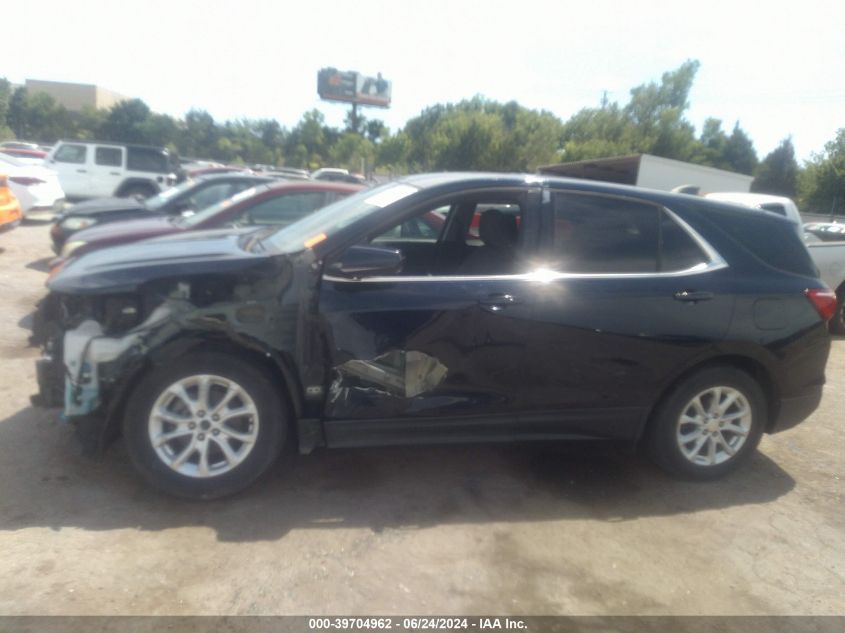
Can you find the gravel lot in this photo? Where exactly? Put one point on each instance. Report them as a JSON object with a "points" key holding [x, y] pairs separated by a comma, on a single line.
{"points": [[459, 530]]}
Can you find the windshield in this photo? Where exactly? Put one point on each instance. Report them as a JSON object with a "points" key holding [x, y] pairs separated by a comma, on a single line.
{"points": [[314, 228], [158, 201], [193, 220]]}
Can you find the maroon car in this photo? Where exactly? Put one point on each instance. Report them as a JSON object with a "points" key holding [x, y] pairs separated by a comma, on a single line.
{"points": [[275, 204]]}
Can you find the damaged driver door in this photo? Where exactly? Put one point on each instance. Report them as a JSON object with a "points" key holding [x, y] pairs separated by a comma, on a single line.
{"points": [[434, 351]]}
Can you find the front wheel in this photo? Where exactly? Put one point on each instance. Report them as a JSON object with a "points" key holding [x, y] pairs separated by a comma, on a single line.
{"points": [[709, 424], [205, 427]]}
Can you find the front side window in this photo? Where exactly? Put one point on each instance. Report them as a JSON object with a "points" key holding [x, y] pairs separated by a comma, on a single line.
{"points": [[108, 156], [477, 235], [595, 234], [71, 154]]}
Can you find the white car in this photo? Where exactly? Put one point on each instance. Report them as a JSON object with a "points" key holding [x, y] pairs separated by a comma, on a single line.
{"points": [[778, 205], [36, 188]]}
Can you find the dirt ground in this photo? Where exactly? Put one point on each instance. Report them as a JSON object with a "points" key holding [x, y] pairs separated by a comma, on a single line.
{"points": [[457, 530]]}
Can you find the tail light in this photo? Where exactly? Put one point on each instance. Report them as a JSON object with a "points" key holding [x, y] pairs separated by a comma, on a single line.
{"points": [[3, 182], [26, 181], [824, 301]]}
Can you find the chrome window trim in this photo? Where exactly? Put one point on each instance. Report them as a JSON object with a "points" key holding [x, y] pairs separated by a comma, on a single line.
{"points": [[717, 262], [711, 252], [540, 276]]}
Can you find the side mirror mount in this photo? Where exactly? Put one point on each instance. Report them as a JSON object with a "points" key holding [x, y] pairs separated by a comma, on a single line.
{"points": [[367, 261]]}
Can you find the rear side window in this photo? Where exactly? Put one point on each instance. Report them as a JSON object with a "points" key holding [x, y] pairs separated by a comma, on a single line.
{"points": [[110, 156], [145, 159], [71, 154], [596, 234], [770, 239]]}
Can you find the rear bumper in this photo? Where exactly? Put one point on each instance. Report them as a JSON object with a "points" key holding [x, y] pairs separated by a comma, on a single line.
{"points": [[44, 212], [41, 199], [796, 409]]}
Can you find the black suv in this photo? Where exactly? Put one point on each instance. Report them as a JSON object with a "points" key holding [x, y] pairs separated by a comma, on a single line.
{"points": [[443, 308]]}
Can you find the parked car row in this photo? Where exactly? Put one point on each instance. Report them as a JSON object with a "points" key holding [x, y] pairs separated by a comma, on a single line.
{"points": [[271, 203], [436, 308]]}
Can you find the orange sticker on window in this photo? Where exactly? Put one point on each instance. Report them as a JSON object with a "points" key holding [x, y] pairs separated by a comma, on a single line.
{"points": [[315, 240]]}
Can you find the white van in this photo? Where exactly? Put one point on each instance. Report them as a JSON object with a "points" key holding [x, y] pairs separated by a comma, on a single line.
{"points": [[95, 169]]}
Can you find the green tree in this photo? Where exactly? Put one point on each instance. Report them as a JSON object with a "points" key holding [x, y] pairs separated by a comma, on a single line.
{"points": [[476, 134], [376, 131], [777, 173], [89, 124], [308, 143], [127, 122], [353, 152], [822, 182], [160, 130], [5, 97], [656, 112], [712, 144], [652, 122], [739, 152], [199, 135], [37, 117]]}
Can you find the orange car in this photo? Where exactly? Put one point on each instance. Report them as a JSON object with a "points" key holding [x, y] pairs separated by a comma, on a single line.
{"points": [[10, 208]]}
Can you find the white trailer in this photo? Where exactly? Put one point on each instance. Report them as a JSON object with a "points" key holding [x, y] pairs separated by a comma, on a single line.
{"points": [[653, 172]]}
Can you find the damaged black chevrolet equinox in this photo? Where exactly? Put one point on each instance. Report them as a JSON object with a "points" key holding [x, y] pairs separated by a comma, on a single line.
{"points": [[442, 308]]}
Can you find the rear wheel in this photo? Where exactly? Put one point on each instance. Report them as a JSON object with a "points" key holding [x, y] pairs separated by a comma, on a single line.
{"points": [[205, 427], [709, 424]]}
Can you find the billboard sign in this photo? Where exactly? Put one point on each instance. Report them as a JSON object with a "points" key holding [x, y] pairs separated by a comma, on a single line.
{"points": [[353, 87]]}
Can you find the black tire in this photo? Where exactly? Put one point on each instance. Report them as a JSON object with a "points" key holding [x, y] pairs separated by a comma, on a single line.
{"points": [[272, 426], [662, 437], [837, 323], [138, 191]]}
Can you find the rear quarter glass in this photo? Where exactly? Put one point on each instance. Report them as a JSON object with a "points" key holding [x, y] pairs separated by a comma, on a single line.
{"points": [[770, 239]]}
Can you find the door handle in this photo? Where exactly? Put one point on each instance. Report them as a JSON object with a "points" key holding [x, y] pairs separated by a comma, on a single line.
{"points": [[114, 173], [693, 296], [82, 171], [497, 302]]}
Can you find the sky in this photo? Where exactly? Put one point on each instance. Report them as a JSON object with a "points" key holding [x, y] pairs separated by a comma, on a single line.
{"points": [[775, 67]]}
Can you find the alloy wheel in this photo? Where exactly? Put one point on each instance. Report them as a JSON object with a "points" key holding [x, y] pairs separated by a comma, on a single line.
{"points": [[714, 426], [203, 426]]}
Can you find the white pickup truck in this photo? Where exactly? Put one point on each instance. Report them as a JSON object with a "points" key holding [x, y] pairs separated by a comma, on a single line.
{"points": [[826, 243]]}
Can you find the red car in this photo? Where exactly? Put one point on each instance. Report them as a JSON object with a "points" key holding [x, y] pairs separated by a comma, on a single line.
{"points": [[276, 204], [26, 154]]}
